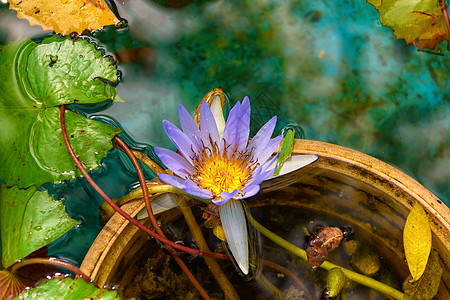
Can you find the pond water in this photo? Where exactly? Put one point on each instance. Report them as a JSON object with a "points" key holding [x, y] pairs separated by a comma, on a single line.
{"points": [[327, 68]]}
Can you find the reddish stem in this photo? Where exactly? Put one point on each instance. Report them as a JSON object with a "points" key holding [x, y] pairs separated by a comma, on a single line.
{"points": [[447, 21], [152, 218], [117, 208], [50, 261]]}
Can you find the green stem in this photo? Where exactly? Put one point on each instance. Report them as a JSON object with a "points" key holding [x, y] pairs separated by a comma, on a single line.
{"points": [[290, 274], [367, 281], [265, 283]]}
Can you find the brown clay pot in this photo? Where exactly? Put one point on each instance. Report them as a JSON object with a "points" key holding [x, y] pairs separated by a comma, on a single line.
{"points": [[366, 192]]}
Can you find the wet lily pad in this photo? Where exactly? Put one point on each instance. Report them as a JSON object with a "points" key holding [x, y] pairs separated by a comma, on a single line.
{"points": [[29, 219], [34, 79], [67, 288]]}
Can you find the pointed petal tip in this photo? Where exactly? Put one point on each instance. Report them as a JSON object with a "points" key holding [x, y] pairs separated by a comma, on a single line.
{"points": [[181, 111], [244, 269], [251, 190], [159, 151], [219, 201]]}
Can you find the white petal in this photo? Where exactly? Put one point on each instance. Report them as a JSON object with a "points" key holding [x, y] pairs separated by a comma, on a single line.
{"points": [[293, 163], [217, 111], [160, 204], [235, 227]]}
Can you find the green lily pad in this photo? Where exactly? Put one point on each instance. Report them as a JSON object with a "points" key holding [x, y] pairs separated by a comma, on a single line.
{"points": [[66, 288], [34, 79], [29, 220]]}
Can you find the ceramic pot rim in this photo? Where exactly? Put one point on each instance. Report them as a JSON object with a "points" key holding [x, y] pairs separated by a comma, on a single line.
{"points": [[429, 201]]}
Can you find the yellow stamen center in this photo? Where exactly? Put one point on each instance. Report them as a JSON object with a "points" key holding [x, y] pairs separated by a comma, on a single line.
{"points": [[216, 173]]}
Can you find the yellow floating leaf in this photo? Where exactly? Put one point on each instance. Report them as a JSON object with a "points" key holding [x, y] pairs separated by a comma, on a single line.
{"points": [[417, 241], [65, 16]]}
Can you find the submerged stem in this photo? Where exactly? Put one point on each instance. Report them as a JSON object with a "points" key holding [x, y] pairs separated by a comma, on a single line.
{"points": [[221, 278], [290, 274], [367, 281], [265, 283]]}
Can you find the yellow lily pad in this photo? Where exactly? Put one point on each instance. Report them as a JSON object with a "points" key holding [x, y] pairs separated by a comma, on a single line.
{"points": [[65, 16]]}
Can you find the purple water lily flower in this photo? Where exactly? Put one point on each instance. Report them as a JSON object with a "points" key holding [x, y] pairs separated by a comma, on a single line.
{"points": [[217, 160]]}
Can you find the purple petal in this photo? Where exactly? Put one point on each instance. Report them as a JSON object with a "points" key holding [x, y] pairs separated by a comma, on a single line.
{"points": [[180, 140], [188, 125], [269, 163], [193, 189], [208, 126], [177, 182], [231, 128], [260, 140], [260, 170], [249, 191], [219, 202], [268, 150], [228, 196], [243, 128], [264, 176], [175, 162]]}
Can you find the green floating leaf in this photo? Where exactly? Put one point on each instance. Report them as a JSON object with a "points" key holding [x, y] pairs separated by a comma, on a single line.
{"points": [[67, 288], [421, 23], [34, 79], [417, 241], [427, 286], [336, 281], [29, 220], [286, 150]]}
